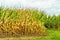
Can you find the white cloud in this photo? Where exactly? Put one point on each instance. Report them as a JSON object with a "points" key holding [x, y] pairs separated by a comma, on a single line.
{"points": [[27, 3], [39, 3]]}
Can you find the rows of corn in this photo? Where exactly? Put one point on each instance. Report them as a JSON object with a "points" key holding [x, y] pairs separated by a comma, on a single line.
{"points": [[20, 22]]}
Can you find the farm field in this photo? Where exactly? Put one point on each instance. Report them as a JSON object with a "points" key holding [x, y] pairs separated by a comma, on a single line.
{"points": [[28, 24], [53, 35]]}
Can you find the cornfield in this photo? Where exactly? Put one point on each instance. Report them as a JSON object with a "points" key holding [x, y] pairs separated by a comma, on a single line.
{"points": [[20, 22]]}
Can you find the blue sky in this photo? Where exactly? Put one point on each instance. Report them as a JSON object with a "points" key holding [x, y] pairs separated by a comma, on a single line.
{"points": [[49, 6]]}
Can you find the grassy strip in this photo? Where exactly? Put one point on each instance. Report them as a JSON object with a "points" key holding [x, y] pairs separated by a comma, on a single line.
{"points": [[52, 35]]}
